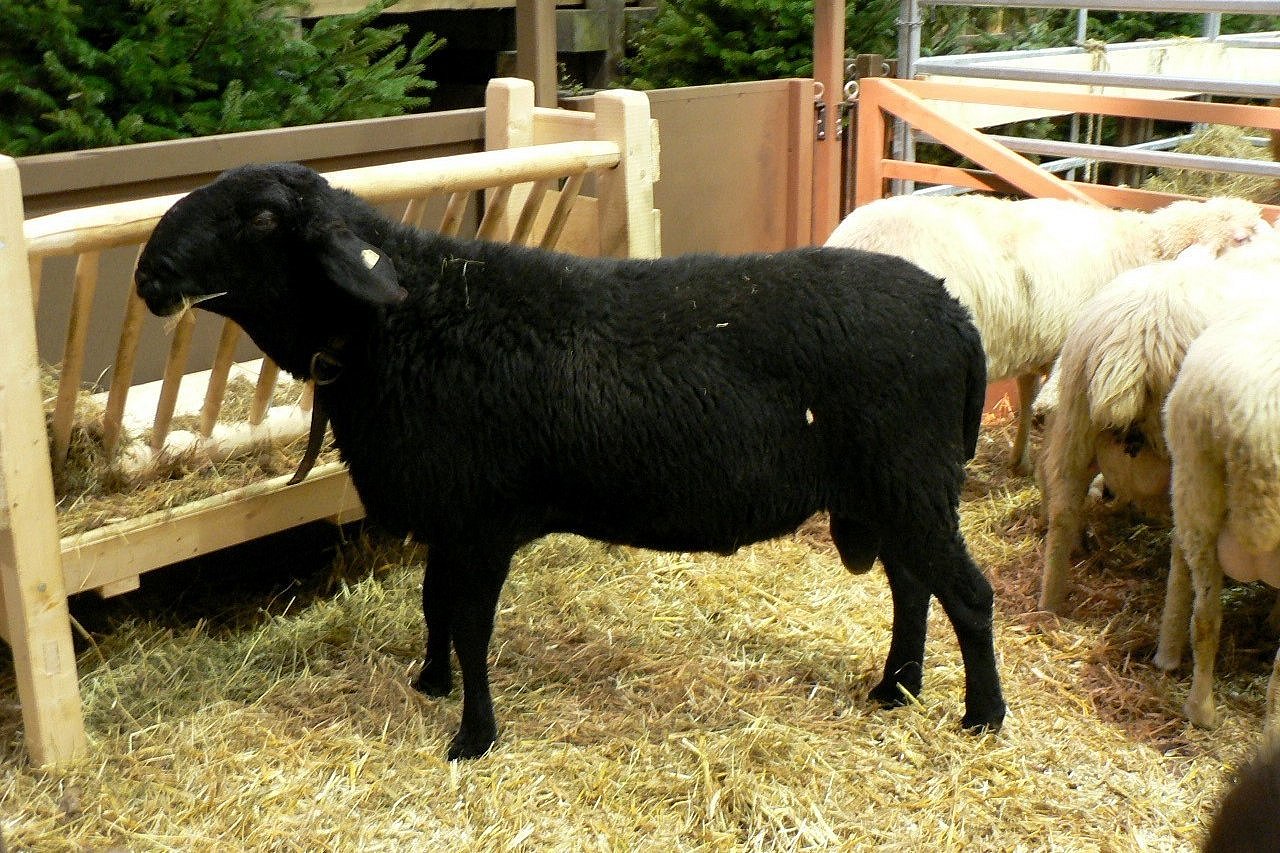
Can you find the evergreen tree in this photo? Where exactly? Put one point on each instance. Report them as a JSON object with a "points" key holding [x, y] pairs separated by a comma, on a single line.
{"points": [[110, 72]]}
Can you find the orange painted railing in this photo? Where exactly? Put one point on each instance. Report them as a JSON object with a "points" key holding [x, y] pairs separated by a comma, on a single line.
{"points": [[1003, 170]]}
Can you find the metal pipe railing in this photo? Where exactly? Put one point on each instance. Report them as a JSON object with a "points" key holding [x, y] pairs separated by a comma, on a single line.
{"points": [[1198, 85]]}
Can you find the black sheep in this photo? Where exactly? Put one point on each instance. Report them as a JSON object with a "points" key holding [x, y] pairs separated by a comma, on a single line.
{"points": [[698, 403]]}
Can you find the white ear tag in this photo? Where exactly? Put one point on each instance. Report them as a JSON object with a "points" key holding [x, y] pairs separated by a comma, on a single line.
{"points": [[370, 258]]}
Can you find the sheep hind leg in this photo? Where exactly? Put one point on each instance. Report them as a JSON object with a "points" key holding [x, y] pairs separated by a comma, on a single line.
{"points": [[1175, 620], [1206, 625], [968, 600], [903, 668], [1020, 456]]}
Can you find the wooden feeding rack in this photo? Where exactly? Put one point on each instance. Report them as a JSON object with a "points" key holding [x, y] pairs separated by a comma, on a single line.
{"points": [[528, 188]]}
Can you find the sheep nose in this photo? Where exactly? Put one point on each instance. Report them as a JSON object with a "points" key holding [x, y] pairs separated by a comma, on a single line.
{"points": [[148, 286], [151, 292]]}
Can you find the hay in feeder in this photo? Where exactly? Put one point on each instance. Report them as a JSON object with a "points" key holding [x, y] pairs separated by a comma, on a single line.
{"points": [[646, 701], [93, 489], [1217, 141]]}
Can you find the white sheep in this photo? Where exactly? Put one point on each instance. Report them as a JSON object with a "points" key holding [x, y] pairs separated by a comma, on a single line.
{"points": [[1223, 423], [1025, 268], [1118, 362]]}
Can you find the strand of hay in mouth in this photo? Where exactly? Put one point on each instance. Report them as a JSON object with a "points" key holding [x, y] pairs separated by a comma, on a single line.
{"points": [[93, 490], [1217, 141]]}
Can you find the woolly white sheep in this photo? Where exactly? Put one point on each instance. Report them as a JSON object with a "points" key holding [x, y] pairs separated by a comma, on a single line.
{"points": [[1223, 424], [1025, 268], [1118, 363]]}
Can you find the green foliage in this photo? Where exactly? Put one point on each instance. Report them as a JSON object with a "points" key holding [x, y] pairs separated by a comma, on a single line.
{"points": [[111, 72], [693, 42]]}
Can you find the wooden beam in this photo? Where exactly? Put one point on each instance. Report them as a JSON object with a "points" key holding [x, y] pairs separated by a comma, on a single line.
{"points": [[35, 598], [1201, 112], [536, 48], [112, 554]]}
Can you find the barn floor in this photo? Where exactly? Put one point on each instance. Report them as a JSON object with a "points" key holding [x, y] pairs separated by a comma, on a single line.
{"points": [[646, 702]]}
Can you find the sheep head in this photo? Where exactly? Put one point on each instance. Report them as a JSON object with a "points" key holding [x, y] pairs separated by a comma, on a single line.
{"points": [[1218, 224], [276, 249]]}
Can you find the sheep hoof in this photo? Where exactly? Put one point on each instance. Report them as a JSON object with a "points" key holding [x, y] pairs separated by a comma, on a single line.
{"points": [[1201, 715], [1166, 661], [978, 722], [471, 745], [436, 682], [891, 694]]}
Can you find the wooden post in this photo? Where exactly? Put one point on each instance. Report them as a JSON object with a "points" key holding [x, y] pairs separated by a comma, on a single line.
{"points": [[800, 168], [35, 600], [828, 69], [873, 137], [628, 227], [508, 123], [536, 48]]}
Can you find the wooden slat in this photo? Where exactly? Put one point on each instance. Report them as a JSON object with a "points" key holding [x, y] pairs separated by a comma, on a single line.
{"points": [[73, 354], [35, 614], [560, 215], [931, 173], [555, 125], [108, 555], [529, 212], [174, 366], [413, 212], [263, 391], [495, 211], [122, 371], [216, 390], [451, 221], [37, 266]]}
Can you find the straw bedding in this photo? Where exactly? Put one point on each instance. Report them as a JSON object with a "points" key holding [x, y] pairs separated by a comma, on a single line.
{"points": [[646, 701]]}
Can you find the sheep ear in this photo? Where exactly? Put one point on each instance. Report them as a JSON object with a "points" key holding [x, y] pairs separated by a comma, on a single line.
{"points": [[360, 269]]}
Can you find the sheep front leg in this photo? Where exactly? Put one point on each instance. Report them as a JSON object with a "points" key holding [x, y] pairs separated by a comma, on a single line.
{"points": [[1206, 624], [1176, 618], [436, 678], [469, 581], [1064, 493]]}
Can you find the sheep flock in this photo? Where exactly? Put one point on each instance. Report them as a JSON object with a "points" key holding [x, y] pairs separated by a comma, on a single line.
{"points": [[1155, 332]]}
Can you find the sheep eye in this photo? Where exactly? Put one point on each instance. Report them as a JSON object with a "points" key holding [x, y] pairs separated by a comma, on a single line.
{"points": [[264, 220]]}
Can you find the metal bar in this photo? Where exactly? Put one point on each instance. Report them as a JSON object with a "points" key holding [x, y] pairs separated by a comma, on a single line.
{"points": [[1200, 85], [1140, 157], [1267, 39], [1230, 7]]}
